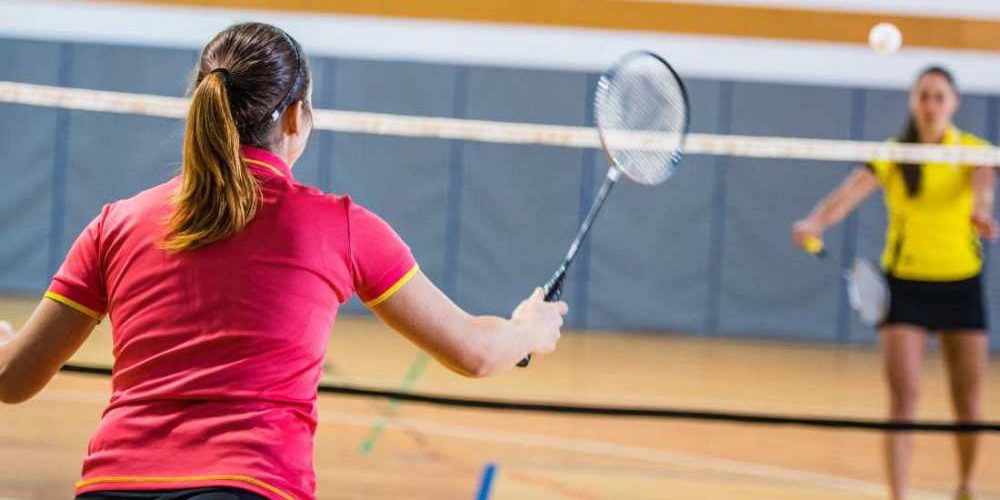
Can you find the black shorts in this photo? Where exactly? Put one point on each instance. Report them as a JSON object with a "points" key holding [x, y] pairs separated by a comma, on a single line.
{"points": [[213, 493], [937, 305]]}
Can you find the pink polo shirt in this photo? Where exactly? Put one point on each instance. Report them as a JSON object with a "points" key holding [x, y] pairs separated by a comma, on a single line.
{"points": [[218, 351]]}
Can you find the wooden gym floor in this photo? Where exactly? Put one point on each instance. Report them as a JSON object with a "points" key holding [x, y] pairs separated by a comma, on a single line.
{"points": [[419, 451]]}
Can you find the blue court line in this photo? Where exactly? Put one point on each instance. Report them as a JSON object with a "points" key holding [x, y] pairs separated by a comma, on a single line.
{"points": [[486, 481]]}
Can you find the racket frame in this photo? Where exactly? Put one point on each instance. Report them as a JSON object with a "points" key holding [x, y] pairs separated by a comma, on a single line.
{"points": [[553, 288]]}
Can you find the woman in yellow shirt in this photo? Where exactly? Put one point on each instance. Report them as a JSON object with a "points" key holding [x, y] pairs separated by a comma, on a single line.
{"points": [[932, 261]]}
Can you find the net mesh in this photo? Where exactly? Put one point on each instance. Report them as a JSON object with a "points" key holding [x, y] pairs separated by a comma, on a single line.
{"points": [[519, 133]]}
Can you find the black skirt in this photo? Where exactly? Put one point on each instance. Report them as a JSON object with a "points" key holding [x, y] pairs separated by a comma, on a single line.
{"points": [[937, 305]]}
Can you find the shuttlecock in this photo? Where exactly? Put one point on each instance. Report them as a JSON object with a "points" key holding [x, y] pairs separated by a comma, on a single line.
{"points": [[885, 38]]}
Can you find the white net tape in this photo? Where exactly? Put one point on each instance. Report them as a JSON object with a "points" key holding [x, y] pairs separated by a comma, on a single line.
{"points": [[516, 133]]}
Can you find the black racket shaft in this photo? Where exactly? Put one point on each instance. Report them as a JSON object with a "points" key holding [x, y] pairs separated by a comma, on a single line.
{"points": [[553, 288]]}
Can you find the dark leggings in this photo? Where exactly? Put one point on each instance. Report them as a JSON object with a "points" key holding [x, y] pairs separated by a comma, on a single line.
{"points": [[188, 494]]}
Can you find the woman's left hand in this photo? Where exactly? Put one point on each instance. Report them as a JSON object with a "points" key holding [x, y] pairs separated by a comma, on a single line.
{"points": [[986, 226]]}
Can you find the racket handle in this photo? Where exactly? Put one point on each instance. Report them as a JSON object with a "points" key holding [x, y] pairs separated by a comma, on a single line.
{"points": [[553, 290], [815, 247]]}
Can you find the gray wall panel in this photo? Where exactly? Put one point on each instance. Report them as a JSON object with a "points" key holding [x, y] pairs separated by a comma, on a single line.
{"points": [[112, 156], [28, 140], [649, 264], [769, 286], [488, 222], [405, 181], [520, 204]]}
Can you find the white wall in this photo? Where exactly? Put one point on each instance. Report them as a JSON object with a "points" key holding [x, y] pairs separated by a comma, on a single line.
{"points": [[499, 45]]}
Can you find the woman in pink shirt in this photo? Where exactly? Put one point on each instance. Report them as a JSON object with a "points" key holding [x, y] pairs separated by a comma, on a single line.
{"points": [[222, 285]]}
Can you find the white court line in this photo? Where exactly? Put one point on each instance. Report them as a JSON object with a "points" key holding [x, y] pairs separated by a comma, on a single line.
{"points": [[606, 398], [857, 411], [72, 396], [587, 446], [604, 448]]}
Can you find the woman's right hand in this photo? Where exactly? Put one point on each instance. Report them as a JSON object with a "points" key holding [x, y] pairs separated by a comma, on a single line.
{"points": [[806, 230], [542, 320]]}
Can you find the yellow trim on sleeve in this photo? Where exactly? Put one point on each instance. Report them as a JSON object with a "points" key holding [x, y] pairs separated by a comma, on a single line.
{"points": [[66, 301], [190, 479], [394, 288]]}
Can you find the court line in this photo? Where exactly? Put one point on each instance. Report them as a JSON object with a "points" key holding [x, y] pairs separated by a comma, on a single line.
{"points": [[587, 446], [599, 398], [609, 398], [72, 396], [593, 447], [95, 397], [409, 382]]}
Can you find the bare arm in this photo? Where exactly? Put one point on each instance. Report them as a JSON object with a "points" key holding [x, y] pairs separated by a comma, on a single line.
{"points": [[29, 360], [832, 209], [983, 180], [474, 346]]}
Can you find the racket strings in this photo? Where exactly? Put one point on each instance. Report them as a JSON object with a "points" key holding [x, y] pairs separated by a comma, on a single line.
{"points": [[641, 113]]}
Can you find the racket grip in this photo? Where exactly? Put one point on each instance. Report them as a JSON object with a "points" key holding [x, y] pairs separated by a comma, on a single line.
{"points": [[815, 247], [553, 290]]}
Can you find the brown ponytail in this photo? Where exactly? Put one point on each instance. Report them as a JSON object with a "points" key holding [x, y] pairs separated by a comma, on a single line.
{"points": [[248, 75], [218, 196], [912, 172]]}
